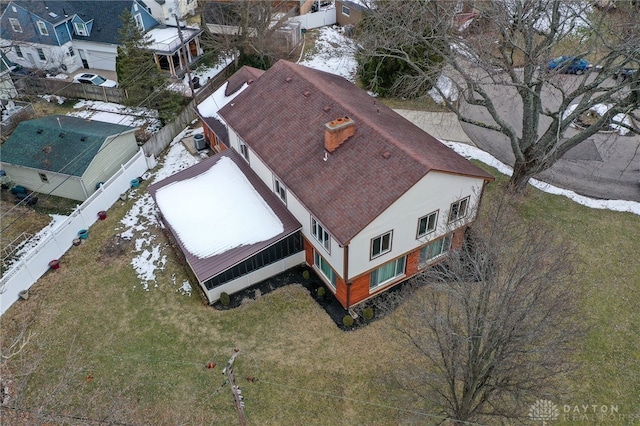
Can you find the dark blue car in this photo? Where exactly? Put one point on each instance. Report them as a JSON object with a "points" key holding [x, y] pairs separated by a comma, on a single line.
{"points": [[569, 65]]}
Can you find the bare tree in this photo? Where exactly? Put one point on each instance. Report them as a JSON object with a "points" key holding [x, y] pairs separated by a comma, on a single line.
{"points": [[490, 329], [498, 53], [247, 28]]}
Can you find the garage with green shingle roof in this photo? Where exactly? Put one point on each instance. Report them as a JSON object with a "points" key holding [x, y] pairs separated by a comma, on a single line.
{"points": [[66, 156]]}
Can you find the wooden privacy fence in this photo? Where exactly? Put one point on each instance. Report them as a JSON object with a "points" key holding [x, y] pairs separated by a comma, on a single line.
{"points": [[49, 86]]}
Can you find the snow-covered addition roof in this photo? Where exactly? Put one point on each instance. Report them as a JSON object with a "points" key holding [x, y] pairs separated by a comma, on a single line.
{"points": [[282, 117], [220, 213]]}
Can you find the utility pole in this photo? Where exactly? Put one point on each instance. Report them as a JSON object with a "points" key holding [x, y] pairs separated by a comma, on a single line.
{"points": [[235, 390], [186, 57]]}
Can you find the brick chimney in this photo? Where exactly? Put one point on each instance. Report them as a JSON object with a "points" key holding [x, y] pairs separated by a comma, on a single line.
{"points": [[337, 131]]}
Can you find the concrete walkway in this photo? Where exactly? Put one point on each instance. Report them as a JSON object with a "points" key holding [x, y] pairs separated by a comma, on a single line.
{"points": [[440, 125]]}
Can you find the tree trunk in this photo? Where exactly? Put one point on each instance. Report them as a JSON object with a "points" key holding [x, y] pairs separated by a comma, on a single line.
{"points": [[522, 172]]}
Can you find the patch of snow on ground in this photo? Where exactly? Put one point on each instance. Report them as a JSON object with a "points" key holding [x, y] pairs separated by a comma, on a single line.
{"points": [[446, 87], [118, 114], [53, 98], [28, 245], [335, 53], [143, 215], [472, 152]]}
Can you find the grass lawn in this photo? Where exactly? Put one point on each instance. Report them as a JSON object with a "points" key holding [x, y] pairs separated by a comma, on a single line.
{"points": [[103, 347]]}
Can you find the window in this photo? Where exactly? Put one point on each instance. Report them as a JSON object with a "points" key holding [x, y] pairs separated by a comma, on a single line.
{"points": [[244, 150], [43, 178], [71, 52], [41, 54], [324, 268], [280, 190], [320, 234], [435, 249], [15, 25], [139, 22], [345, 10], [19, 52], [458, 209], [80, 28], [381, 245], [387, 272], [427, 224], [42, 27]]}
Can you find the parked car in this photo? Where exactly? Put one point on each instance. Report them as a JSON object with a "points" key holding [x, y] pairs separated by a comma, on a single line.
{"points": [[94, 79], [624, 73], [569, 65]]}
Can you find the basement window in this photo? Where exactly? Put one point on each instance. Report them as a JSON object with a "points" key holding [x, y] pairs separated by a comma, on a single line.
{"points": [[346, 11], [43, 177]]}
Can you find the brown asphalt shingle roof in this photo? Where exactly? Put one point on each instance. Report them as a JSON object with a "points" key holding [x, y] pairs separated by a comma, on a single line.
{"points": [[281, 117]]}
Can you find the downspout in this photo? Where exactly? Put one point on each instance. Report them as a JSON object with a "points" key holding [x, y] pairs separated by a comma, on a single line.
{"points": [[345, 259]]}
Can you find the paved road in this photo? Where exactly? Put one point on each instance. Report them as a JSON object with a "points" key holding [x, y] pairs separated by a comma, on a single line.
{"points": [[605, 166]]}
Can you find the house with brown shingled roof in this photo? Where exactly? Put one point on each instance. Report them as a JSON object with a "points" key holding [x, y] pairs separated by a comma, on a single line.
{"points": [[377, 198]]}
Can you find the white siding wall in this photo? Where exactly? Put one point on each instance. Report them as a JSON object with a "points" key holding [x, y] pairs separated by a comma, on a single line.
{"points": [[336, 255], [57, 184], [99, 55], [436, 191], [113, 153], [254, 277]]}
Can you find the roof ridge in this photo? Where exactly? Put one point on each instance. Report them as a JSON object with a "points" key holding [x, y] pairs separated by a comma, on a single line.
{"points": [[379, 129]]}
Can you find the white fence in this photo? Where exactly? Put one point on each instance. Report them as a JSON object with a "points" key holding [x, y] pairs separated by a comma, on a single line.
{"points": [[32, 265], [317, 19]]}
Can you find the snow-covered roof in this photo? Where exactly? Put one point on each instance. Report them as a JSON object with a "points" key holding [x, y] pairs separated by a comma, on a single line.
{"points": [[217, 210]]}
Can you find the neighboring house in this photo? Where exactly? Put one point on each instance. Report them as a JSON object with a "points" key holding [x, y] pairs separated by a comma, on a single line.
{"points": [[349, 12], [166, 11], [378, 199], [66, 156], [69, 35], [223, 18], [7, 88]]}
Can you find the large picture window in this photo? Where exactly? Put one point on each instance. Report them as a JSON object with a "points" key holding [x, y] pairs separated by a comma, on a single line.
{"points": [[320, 234], [324, 268], [427, 224], [381, 244], [435, 249], [458, 209], [387, 272]]}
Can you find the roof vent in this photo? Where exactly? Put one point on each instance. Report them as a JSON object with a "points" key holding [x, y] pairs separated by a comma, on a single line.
{"points": [[288, 79], [307, 94], [327, 108], [83, 138], [386, 155], [249, 81], [46, 149], [39, 131], [61, 135]]}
